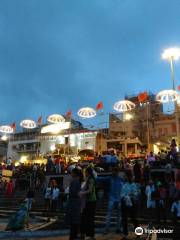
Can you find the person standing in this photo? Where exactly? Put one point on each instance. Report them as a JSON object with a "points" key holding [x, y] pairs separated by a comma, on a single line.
{"points": [[172, 192], [47, 196], [146, 173], [160, 196], [9, 162], [137, 172], [149, 191], [30, 198], [90, 205], [151, 159], [19, 219], [173, 147], [115, 186], [49, 165], [58, 165], [150, 188], [73, 214], [9, 189], [129, 198], [54, 197], [175, 209]]}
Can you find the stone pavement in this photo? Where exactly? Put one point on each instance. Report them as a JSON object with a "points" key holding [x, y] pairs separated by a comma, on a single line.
{"points": [[110, 236]]}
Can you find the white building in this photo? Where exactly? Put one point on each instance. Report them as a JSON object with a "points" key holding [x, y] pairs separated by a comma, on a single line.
{"points": [[39, 141]]}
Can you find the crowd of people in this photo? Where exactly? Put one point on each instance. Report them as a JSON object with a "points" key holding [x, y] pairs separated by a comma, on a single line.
{"points": [[127, 192], [127, 186], [126, 196]]}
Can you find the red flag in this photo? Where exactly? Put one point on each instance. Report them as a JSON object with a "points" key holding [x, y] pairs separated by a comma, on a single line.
{"points": [[143, 97], [13, 125], [99, 106], [69, 114], [179, 88], [39, 120]]}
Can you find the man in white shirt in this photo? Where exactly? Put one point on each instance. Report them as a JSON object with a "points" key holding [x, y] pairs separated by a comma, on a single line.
{"points": [[54, 198]]}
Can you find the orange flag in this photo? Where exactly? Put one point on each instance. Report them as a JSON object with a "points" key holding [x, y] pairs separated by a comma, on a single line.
{"points": [[99, 106], [179, 88], [13, 125], [69, 114], [143, 97], [39, 120]]}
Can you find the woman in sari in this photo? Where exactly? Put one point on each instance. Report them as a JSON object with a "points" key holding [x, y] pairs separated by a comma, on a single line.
{"points": [[19, 219]]}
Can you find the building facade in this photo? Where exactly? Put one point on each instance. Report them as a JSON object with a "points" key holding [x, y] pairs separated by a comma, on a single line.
{"points": [[41, 141], [129, 132]]}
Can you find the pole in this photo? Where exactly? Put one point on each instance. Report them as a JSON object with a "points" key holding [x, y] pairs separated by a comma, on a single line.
{"points": [[172, 73], [147, 124], [175, 105], [69, 137]]}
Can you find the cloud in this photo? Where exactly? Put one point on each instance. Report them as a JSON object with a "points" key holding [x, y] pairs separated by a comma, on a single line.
{"points": [[60, 55]]}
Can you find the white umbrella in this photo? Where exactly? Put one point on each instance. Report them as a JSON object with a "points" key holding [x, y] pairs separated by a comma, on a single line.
{"points": [[124, 106], [166, 96], [86, 112], [55, 118], [28, 123], [6, 129]]}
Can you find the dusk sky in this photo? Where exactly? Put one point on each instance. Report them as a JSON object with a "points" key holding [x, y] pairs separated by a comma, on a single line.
{"points": [[57, 55]]}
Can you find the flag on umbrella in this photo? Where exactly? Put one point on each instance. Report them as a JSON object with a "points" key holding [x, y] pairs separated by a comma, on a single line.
{"points": [[69, 114], [143, 97], [13, 125], [39, 122], [99, 106]]}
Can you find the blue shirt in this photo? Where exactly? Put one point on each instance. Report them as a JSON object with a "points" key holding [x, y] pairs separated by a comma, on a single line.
{"points": [[130, 189], [115, 184]]}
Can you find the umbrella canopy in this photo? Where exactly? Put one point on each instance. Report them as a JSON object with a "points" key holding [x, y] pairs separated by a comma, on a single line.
{"points": [[166, 96], [28, 123], [55, 118], [124, 106], [6, 129], [86, 112]]}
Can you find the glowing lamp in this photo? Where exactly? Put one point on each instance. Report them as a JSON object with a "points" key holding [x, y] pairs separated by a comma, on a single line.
{"points": [[4, 138], [166, 96], [6, 129], [28, 124], [124, 106], [86, 112], [127, 116], [55, 118], [171, 54], [55, 128]]}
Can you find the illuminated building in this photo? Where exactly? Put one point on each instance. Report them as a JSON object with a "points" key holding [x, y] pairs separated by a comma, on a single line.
{"points": [[128, 131], [61, 138]]}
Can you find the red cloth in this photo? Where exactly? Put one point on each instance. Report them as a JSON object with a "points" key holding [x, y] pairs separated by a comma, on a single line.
{"points": [[57, 160], [39, 120], [69, 114], [143, 97], [99, 106], [13, 126], [9, 189]]}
